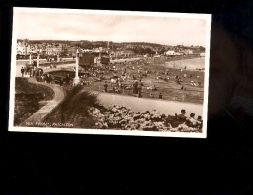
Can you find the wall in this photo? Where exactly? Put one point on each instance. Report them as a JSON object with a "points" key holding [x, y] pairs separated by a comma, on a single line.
{"points": [[55, 116]]}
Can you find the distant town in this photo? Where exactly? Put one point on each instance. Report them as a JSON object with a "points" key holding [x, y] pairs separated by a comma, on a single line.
{"points": [[25, 47]]}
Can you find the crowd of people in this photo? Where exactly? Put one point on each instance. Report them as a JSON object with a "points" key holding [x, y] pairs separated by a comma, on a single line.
{"points": [[132, 72], [53, 58], [125, 75], [31, 71]]}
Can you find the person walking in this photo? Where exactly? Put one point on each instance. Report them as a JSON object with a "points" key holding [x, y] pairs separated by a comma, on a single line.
{"points": [[105, 86], [139, 88], [30, 72], [61, 82], [67, 79], [135, 90], [48, 79], [22, 71]]}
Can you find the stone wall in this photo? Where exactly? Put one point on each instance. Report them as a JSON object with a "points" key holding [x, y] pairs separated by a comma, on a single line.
{"points": [[55, 116]]}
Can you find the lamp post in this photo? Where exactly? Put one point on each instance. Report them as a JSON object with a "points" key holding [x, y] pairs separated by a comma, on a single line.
{"points": [[26, 45], [30, 58], [76, 79]]}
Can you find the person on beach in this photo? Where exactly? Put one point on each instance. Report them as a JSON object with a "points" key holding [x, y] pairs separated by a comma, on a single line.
{"points": [[135, 84], [22, 71], [105, 86], [160, 96], [139, 88]]}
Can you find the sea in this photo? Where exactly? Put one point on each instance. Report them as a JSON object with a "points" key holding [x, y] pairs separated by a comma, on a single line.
{"points": [[190, 64]]}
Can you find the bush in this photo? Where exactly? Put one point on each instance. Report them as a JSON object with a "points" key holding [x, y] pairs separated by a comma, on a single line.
{"points": [[76, 105]]}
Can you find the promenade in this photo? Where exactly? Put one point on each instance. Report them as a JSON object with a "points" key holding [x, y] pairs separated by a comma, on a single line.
{"points": [[143, 104]]}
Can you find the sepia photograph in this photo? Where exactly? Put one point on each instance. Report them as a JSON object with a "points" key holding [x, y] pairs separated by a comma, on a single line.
{"points": [[109, 72]]}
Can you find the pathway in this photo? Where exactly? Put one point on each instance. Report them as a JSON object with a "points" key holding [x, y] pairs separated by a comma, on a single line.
{"points": [[143, 104], [59, 95]]}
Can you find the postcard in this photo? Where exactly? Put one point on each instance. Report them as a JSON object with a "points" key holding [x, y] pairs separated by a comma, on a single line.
{"points": [[109, 72]]}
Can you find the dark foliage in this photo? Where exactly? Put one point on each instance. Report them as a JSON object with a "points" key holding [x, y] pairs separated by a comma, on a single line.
{"points": [[75, 107]]}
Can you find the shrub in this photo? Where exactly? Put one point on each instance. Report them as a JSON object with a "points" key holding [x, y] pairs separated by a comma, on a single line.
{"points": [[76, 105]]}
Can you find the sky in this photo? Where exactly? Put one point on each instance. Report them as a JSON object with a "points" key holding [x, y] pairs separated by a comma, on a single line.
{"points": [[116, 28]]}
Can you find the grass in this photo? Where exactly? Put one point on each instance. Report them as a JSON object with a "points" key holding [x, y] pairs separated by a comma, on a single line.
{"points": [[27, 104], [23, 85]]}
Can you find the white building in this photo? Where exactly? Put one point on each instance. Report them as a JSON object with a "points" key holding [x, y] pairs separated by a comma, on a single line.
{"points": [[170, 53], [86, 50], [19, 49], [96, 50], [22, 48], [190, 51]]}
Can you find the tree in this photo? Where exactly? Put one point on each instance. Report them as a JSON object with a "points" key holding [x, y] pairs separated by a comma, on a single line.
{"points": [[202, 49]]}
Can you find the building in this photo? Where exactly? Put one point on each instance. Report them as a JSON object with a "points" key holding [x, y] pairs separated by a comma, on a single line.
{"points": [[105, 59], [34, 48], [63, 48], [22, 48], [128, 53], [170, 53], [189, 51], [72, 50], [86, 59], [118, 53], [122, 53], [19, 48]]}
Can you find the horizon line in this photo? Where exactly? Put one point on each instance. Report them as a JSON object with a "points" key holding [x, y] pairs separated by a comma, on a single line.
{"points": [[105, 41]]}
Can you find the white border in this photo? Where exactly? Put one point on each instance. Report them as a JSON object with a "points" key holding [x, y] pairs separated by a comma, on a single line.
{"points": [[17, 10]]}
